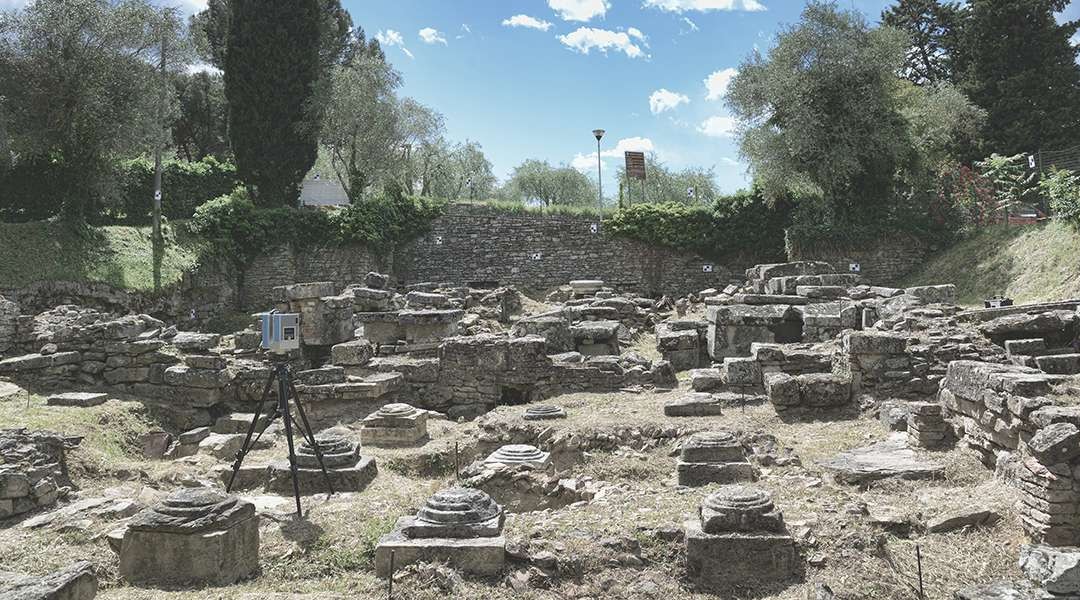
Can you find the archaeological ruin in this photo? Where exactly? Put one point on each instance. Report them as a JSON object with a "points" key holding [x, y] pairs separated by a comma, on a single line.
{"points": [[764, 437]]}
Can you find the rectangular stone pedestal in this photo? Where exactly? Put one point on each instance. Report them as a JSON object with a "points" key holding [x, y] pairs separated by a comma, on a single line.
{"points": [[172, 559], [721, 561], [312, 481], [698, 474], [483, 556], [390, 437]]}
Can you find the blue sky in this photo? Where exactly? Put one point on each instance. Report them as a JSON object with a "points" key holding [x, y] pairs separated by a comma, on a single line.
{"points": [[533, 78], [538, 91]]}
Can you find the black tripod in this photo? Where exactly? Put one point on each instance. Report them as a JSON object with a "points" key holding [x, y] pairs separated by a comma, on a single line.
{"points": [[285, 390]]}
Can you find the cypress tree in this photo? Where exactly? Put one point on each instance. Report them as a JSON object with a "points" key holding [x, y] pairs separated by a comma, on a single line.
{"points": [[1018, 64], [272, 71]]}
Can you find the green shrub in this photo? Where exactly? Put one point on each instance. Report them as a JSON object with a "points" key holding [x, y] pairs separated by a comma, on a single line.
{"points": [[185, 186], [31, 191], [740, 223], [237, 230], [1062, 188]]}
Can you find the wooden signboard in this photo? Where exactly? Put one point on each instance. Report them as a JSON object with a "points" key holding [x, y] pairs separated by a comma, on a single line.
{"points": [[635, 165]]}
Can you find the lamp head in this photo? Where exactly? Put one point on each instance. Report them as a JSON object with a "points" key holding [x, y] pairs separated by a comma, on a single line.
{"points": [[599, 133]]}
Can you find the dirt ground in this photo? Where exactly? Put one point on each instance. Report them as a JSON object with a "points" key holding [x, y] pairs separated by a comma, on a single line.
{"points": [[330, 553]]}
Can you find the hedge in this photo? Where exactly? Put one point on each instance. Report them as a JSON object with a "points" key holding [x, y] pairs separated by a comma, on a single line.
{"points": [[731, 225], [237, 230]]}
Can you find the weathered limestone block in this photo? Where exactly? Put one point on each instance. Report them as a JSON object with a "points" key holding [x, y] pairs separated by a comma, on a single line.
{"points": [[75, 582], [807, 395], [520, 455], [194, 537], [713, 457], [461, 527], [925, 426], [346, 469], [1056, 443], [190, 341], [586, 287], [355, 353], [933, 294], [1059, 364], [739, 539], [734, 327], [417, 299], [555, 331], [544, 412], [694, 404], [593, 338], [394, 425], [704, 380], [883, 460], [79, 399], [1056, 327], [1056, 570]]}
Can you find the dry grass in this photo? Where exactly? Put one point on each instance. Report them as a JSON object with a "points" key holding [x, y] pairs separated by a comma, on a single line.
{"points": [[1029, 264], [330, 555]]}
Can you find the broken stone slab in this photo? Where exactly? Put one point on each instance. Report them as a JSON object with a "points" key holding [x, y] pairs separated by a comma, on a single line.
{"points": [[75, 582], [760, 299], [933, 294], [78, 399], [583, 287], [307, 291], [970, 516], [1059, 364], [1003, 590], [1055, 569], [10, 391], [354, 353], [703, 380], [1055, 443], [190, 341], [883, 460], [695, 404]]}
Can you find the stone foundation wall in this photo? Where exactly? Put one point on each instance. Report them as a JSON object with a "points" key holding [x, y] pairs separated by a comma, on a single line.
{"points": [[998, 408], [885, 262], [477, 244]]}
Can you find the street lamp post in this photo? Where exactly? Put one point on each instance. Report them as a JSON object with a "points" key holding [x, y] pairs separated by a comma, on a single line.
{"points": [[599, 133]]}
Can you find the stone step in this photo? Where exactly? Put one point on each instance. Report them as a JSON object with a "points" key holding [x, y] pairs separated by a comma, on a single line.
{"points": [[79, 399]]}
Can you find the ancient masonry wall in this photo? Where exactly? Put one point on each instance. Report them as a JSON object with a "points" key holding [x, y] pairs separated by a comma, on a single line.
{"points": [[472, 244], [884, 262]]}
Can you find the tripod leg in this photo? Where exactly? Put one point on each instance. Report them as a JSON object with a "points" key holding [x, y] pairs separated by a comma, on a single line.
{"points": [[283, 406], [244, 449], [308, 430]]}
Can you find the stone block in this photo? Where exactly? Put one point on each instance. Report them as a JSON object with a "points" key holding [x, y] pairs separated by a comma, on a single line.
{"points": [[307, 291], [703, 380], [312, 481], [697, 404], [933, 294], [1056, 570], [354, 353], [1059, 364], [699, 474], [718, 562], [482, 556], [75, 582], [1056, 443], [79, 399]]}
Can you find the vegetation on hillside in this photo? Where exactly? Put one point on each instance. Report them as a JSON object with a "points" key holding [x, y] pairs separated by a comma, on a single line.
{"points": [[1027, 263], [117, 255]]}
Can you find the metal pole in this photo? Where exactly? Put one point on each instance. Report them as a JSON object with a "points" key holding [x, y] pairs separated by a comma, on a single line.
{"points": [[158, 243], [918, 560], [599, 180]]}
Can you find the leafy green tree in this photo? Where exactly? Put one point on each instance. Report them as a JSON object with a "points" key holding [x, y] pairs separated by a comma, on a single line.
{"points": [[361, 130], [463, 172], [1062, 189], [692, 185], [819, 114], [536, 181], [1018, 64], [933, 29], [80, 88], [1012, 182], [272, 71], [200, 129]]}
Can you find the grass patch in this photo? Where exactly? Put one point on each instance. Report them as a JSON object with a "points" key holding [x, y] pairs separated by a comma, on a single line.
{"points": [[110, 432], [117, 255], [1029, 264]]}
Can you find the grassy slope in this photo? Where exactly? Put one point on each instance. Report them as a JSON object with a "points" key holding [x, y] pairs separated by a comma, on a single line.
{"points": [[117, 255], [1029, 264]]}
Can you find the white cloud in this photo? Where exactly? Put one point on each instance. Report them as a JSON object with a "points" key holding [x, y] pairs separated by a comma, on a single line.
{"points": [[636, 33], [727, 161], [12, 4], [193, 6], [585, 39], [679, 6], [528, 22], [663, 100], [579, 10], [430, 35], [586, 163], [692, 25], [716, 85], [718, 126], [390, 38]]}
